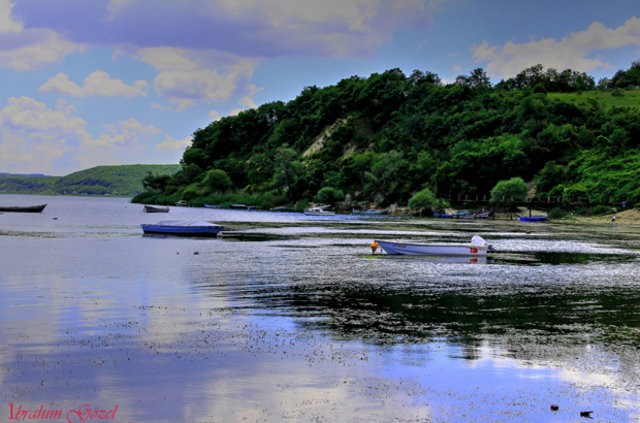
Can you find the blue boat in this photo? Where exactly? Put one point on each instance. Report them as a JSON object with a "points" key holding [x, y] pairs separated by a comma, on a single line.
{"points": [[182, 228], [456, 215], [533, 218]]}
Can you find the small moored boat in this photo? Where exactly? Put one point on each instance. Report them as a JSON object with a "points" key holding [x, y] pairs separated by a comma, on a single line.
{"points": [[533, 218], [23, 209], [477, 247], [182, 228], [156, 209], [318, 211], [456, 215]]}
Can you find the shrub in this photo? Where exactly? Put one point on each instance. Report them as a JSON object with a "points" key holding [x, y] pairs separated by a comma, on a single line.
{"points": [[423, 201], [509, 191], [329, 195]]}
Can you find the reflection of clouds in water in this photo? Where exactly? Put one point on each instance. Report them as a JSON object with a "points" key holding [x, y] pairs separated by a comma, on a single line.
{"points": [[294, 391]]}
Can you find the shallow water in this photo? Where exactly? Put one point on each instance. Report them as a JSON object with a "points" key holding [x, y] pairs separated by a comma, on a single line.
{"points": [[291, 318]]}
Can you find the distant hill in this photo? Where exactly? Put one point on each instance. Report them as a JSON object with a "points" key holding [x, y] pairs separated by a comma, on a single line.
{"points": [[116, 181]]}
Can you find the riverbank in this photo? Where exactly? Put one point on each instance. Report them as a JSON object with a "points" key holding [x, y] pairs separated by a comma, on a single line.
{"points": [[631, 216]]}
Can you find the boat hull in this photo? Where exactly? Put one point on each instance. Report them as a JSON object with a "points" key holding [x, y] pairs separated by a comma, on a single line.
{"points": [[533, 218], [323, 213], [318, 211], [176, 229], [156, 209], [23, 209], [408, 249]]}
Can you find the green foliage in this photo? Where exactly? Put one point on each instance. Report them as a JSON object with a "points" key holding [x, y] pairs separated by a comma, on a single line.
{"points": [[329, 195], [424, 201], [509, 191], [381, 139], [217, 180]]}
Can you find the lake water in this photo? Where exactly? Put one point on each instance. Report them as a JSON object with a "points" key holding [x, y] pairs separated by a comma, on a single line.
{"points": [[291, 318]]}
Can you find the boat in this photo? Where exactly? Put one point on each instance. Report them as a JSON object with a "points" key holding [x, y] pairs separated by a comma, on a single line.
{"points": [[211, 206], [182, 203], [23, 209], [318, 211], [156, 209], [369, 212], [485, 214], [182, 227], [477, 247], [533, 218], [457, 215]]}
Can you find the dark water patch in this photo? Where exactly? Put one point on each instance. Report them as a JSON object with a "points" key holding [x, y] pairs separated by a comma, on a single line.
{"points": [[559, 258]]}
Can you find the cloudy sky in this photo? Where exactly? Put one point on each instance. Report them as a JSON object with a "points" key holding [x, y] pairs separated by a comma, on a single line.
{"points": [[86, 83]]}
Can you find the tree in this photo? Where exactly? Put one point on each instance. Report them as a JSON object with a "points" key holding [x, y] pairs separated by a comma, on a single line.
{"points": [[289, 173], [329, 195], [509, 191], [217, 180], [156, 183], [424, 201]]}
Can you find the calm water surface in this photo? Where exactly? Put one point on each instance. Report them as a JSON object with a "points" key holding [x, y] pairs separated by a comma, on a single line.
{"points": [[290, 318]]}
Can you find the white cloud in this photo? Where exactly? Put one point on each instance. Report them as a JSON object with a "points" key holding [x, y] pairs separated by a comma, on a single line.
{"points": [[324, 28], [186, 77], [22, 49], [7, 23], [215, 115], [172, 144], [35, 137], [34, 49], [126, 132], [98, 83], [576, 51]]}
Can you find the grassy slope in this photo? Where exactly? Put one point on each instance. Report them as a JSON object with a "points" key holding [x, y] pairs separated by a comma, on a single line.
{"points": [[124, 180], [608, 99]]}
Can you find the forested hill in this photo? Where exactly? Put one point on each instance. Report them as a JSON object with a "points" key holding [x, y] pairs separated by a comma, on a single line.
{"points": [[379, 140], [121, 181]]}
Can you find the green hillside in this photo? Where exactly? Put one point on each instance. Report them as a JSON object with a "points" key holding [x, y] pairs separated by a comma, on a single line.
{"points": [[118, 181], [381, 140], [605, 99]]}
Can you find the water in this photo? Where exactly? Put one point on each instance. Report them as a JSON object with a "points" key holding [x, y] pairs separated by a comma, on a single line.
{"points": [[291, 318]]}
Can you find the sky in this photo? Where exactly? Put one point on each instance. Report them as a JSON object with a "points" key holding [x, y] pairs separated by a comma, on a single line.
{"points": [[104, 82]]}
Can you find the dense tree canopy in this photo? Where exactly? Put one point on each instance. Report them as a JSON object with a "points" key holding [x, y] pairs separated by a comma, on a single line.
{"points": [[384, 138]]}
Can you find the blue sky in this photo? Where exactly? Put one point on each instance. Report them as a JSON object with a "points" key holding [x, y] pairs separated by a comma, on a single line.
{"points": [[88, 83]]}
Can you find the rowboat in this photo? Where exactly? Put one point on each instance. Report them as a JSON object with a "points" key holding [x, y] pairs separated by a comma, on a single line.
{"points": [[457, 215], [23, 209], [156, 209], [318, 211], [477, 247], [182, 228], [533, 218]]}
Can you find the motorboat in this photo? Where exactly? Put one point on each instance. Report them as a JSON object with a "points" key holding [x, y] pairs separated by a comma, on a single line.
{"points": [[318, 211], [477, 247]]}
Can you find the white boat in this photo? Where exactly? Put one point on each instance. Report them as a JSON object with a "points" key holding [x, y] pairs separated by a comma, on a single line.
{"points": [[477, 247], [318, 211]]}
